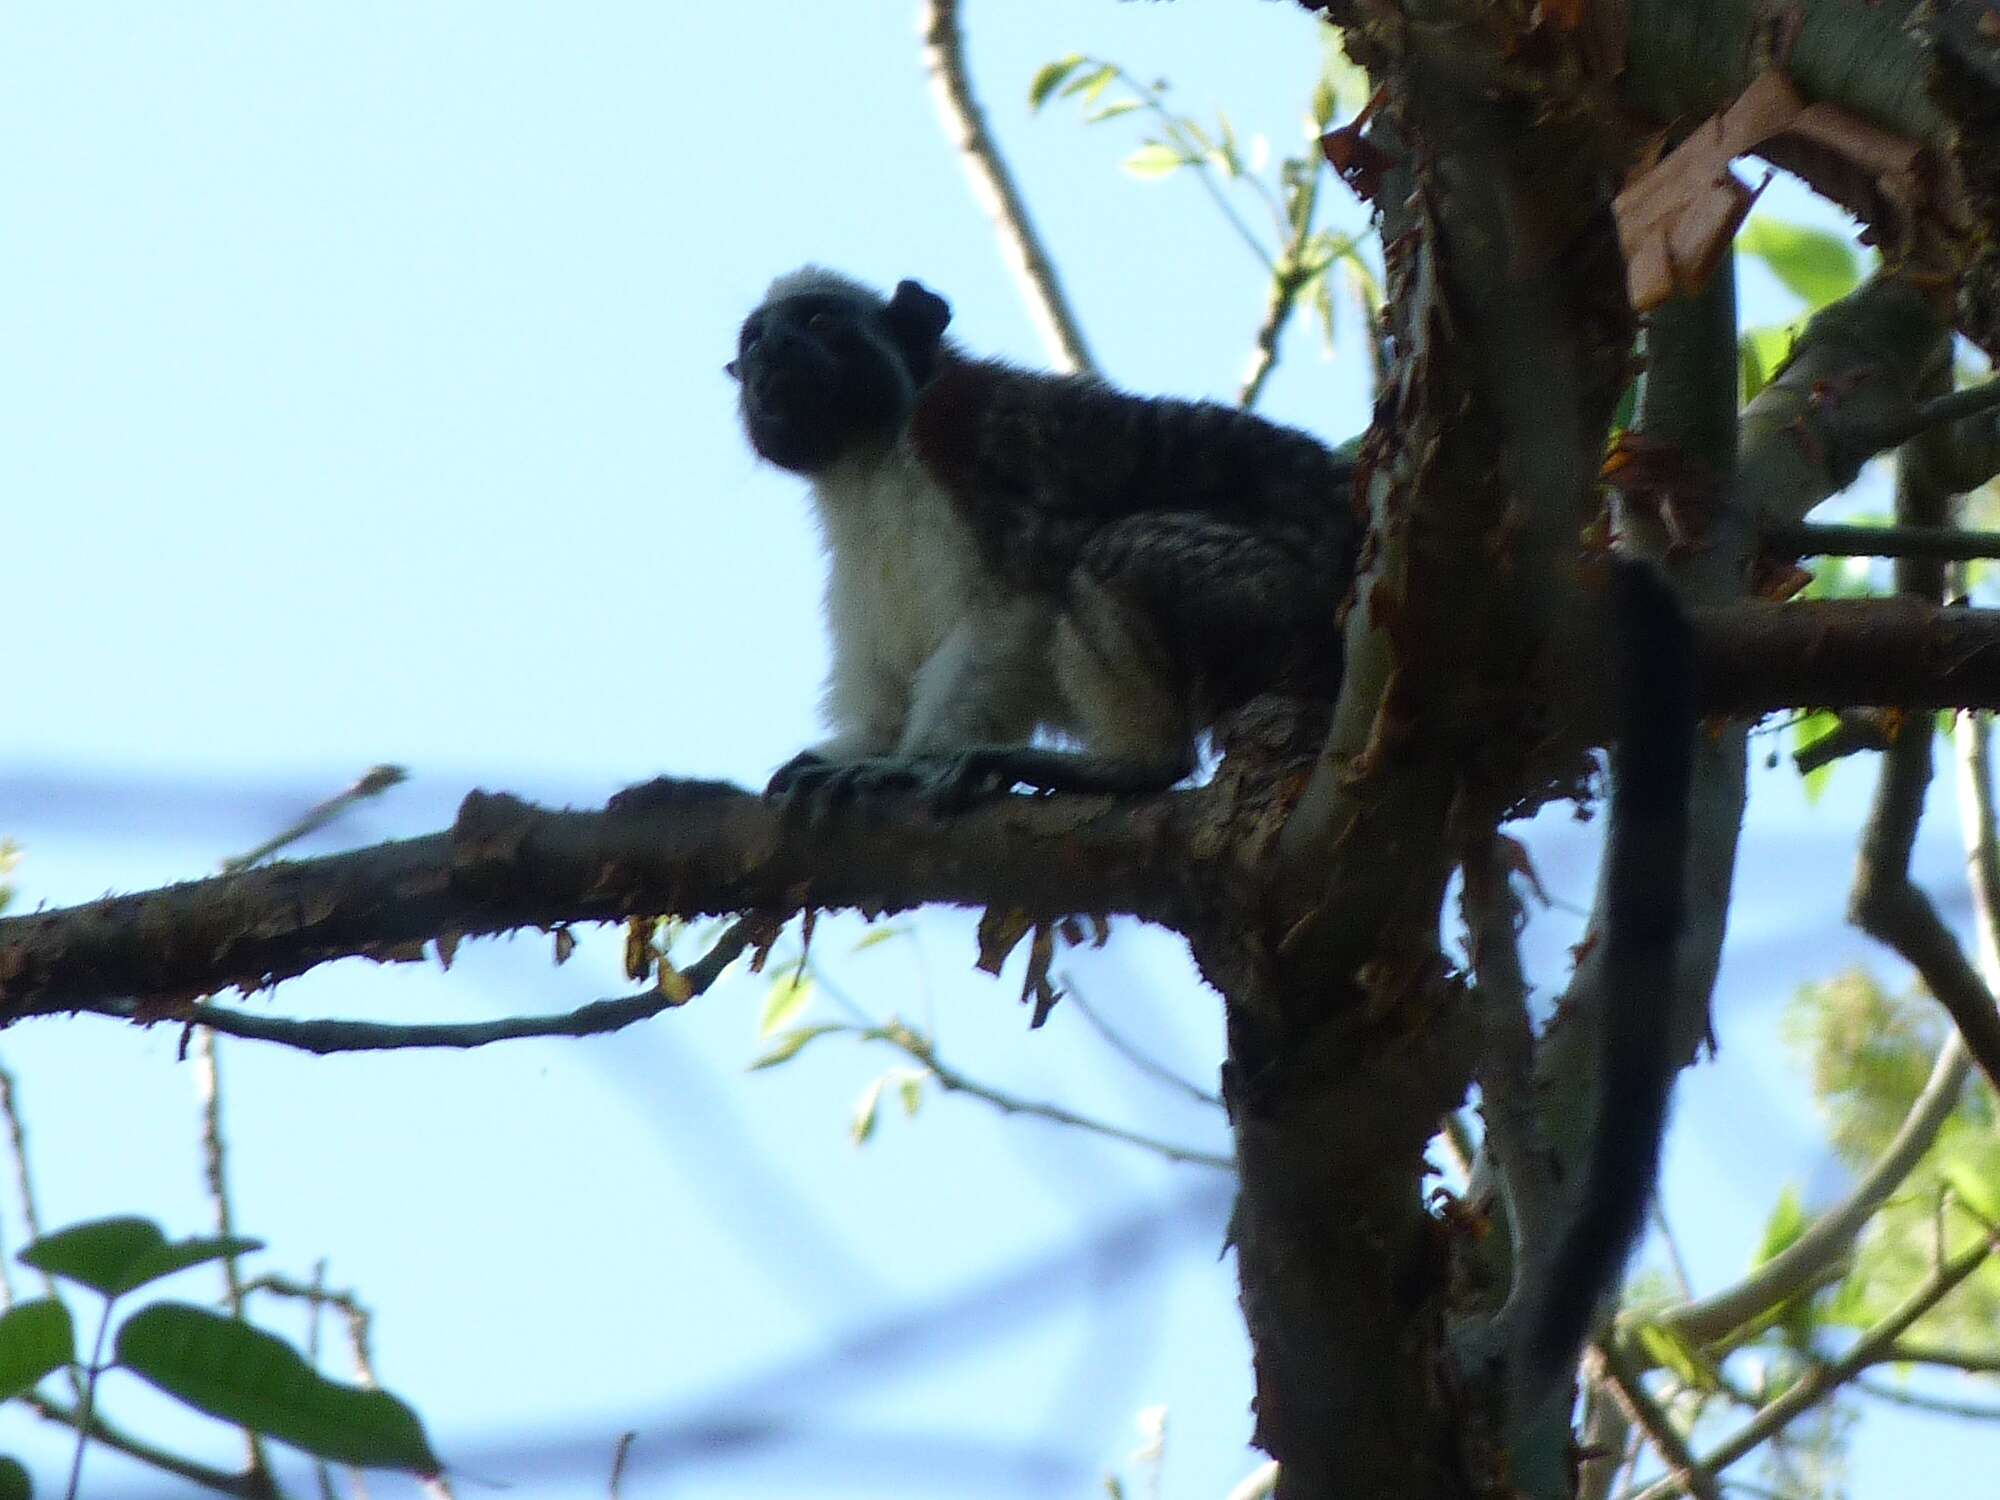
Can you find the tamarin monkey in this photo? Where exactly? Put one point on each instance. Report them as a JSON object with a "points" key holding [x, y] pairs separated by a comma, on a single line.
{"points": [[1013, 551]]}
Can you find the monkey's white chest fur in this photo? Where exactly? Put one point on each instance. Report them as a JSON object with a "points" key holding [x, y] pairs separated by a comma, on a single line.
{"points": [[927, 654]]}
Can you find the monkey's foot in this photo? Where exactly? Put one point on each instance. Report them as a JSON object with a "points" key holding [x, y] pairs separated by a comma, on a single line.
{"points": [[955, 781]]}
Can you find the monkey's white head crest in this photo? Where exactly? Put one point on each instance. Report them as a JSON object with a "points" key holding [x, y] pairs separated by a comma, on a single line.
{"points": [[808, 279]]}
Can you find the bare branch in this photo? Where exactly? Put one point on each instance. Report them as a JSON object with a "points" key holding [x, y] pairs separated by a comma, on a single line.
{"points": [[1938, 545], [1815, 1256], [1886, 903], [595, 1019], [1622, 1379], [954, 1082], [1118, 1042], [1815, 1386], [1971, 1361], [1885, 653], [686, 847], [993, 185], [251, 1485], [1971, 1411], [371, 783], [1859, 731], [1505, 1067], [215, 1177]]}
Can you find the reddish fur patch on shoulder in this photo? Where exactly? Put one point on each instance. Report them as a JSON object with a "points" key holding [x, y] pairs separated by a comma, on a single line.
{"points": [[944, 429]]}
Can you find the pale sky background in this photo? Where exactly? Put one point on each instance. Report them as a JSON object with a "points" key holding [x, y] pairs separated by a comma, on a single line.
{"points": [[363, 401]]}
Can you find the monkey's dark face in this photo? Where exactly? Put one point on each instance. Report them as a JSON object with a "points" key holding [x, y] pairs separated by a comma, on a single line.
{"points": [[826, 373]]}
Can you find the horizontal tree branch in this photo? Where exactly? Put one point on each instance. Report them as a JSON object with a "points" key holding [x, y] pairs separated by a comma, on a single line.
{"points": [[693, 848], [1933, 544], [684, 847], [325, 1037], [1847, 653]]}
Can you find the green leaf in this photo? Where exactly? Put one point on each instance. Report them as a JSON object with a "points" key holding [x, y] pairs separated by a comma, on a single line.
{"points": [[36, 1338], [256, 1380], [1325, 100], [1087, 86], [1786, 1224], [792, 1043], [117, 1255], [1972, 1167], [1814, 265], [875, 937], [1049, 76], [1762, 353], [910, 1088], [1153, 159], [866, 1109], [1112, 111], [14, 1482], [1628, 406], [789, 994], [1673, 1352]]}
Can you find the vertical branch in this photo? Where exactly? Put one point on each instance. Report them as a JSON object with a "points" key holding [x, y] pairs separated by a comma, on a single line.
{"points": [[993, 185], [1886, 903], [1505, 1067], [24, 1188], [215, 1175]]}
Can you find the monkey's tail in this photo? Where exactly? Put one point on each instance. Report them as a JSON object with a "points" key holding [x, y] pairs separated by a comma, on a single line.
{"points": [[1652, 764]]}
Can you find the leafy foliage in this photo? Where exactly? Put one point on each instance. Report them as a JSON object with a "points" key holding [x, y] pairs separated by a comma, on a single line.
{"points": [[36, 1339], [119, 1255], [212, 1362], [256, 1380]]}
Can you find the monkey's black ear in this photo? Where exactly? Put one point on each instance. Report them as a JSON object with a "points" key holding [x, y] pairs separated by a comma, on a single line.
{"points": [[918, 315], [733, 370]]}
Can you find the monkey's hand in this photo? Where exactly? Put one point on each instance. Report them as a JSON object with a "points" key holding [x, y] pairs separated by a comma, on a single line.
{"points": [[942, 783], [952, 781]]}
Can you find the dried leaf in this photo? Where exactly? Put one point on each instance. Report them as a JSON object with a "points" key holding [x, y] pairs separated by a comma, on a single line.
{"points": [[1676, 218], [565, 944], [639, 950], [1000, 932], [675, 985], [1041, 953]]}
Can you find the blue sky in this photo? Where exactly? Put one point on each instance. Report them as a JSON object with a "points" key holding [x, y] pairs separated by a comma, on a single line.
{"points": [[364, 403]]}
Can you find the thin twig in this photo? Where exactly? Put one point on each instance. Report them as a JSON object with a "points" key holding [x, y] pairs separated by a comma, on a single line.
{"points": [[1859, 731], [1886, 903], [1971, 1361], [1158, 1071], [1622, 1379], [1937, 412], [1197, 158], [1608, 1438], [618, 1458], [993, 185], [594, 1019], [372, 783], [315, 1317], [221, 1481], [952, 1081], [1823, 1379], [1928, 544], [215, 1176], [1971, 1411]]}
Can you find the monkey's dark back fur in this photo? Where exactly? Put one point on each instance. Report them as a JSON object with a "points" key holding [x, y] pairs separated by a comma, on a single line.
{"points": [[1169, 503]]}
